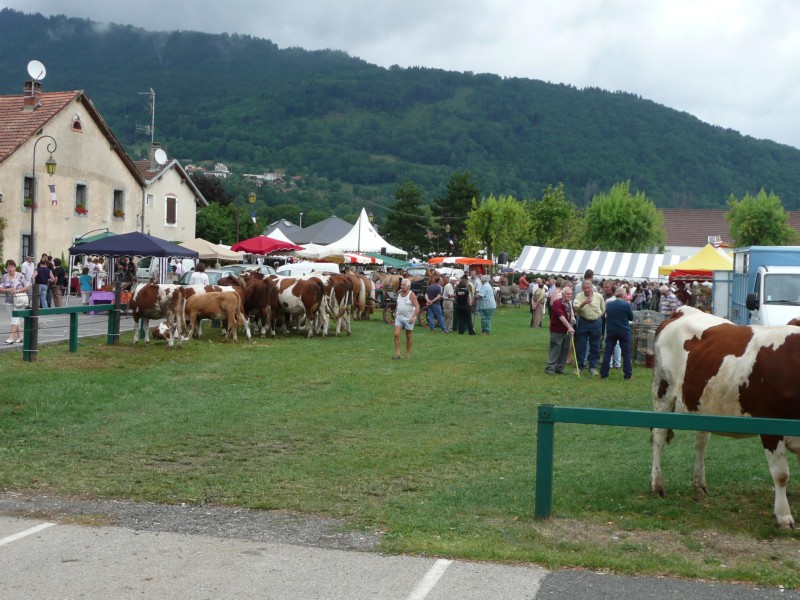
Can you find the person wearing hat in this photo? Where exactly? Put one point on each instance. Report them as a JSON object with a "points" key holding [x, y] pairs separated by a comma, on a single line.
{"points": [[668, 302], [28, 269]]}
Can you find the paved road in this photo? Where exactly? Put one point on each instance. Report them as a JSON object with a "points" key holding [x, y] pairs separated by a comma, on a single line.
{"points": [[42, 559]]}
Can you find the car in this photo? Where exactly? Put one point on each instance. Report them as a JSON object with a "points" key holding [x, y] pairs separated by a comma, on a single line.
{"points": [[241, 268], [214, 275]]}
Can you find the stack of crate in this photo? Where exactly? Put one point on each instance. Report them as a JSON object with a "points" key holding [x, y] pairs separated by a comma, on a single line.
{"points": [[643, 332]]}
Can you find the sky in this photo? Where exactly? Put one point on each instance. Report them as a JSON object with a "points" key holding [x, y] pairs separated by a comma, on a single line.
{"points": [[731, 63]]}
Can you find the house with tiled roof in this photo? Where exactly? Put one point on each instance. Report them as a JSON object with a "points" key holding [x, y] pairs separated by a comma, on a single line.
{"points": [[96, 186], [689, 230], [171, 199]]}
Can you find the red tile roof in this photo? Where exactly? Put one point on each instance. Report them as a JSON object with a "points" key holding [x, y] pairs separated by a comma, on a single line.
{"points": [[692, 227], [143, 166], [18, 125]]}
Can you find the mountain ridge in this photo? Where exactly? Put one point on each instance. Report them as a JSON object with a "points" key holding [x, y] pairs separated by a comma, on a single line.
{"points": [[355, 130]]}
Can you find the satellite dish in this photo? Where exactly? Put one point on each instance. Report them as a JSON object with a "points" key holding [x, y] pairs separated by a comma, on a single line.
{"points": [[160, 156], [36, 70]]}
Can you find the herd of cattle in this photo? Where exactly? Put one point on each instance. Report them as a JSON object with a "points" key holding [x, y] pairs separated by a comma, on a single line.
{"points": [[304, 303]]}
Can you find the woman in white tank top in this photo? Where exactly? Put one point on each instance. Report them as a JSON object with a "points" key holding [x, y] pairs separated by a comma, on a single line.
{"points": [[404, 317]]}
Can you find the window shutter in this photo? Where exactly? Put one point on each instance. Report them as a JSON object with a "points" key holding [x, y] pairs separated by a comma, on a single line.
{"points": [[172, 210]]}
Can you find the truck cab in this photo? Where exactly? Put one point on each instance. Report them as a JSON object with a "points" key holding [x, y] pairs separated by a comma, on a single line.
{"points": [[775, 298], [765, 285]]}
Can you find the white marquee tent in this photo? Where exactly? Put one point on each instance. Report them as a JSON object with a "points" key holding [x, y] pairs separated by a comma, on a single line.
{"points": [[621, 265], [364, 238]]}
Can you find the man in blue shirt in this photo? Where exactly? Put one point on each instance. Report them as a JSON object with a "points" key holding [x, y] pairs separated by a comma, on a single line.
{"points": [[619, 315]]}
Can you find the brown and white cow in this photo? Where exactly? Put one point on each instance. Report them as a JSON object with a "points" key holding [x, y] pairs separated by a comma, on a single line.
{"points": [[359, 294], [191, 290], [338, 290], [303, 299], [260, 298], [154, 301], [707, 365], [218, 306], [369, 292]]}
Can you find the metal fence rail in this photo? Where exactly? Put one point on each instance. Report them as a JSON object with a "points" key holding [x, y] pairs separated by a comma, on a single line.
{"points": [[29, 353], [549, 415]]}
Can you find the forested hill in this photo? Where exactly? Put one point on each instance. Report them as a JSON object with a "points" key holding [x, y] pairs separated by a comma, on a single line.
{"points": [[334, 118]]}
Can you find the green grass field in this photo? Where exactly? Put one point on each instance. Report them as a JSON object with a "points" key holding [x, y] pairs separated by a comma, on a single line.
{"points": [[436, 453]]}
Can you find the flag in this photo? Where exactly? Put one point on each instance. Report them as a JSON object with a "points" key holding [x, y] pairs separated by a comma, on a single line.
{"points": [[53, 197], [253, 216]]}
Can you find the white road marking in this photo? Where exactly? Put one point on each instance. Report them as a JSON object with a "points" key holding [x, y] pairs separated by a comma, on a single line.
{"points": [[430, 580], [26, 533]]}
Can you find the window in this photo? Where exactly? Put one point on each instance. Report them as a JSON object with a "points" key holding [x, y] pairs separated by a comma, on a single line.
{"points": [[119, 205], [172, 210], [82, 199], [27, 193], [149, 199], [27, 250]]}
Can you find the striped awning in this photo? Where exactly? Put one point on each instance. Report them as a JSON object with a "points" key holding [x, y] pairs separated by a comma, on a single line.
{"points": [[619, 265]]}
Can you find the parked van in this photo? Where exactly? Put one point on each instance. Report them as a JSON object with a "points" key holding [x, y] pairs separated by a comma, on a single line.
{"points": [[301, 269], [146, 265]]}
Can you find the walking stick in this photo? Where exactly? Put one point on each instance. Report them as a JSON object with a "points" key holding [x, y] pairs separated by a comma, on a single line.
{"points": [[575, 355]]}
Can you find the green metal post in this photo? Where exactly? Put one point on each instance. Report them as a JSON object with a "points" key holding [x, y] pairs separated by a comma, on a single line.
{"points": [[545, 434], [73, 332], [27, 340]]}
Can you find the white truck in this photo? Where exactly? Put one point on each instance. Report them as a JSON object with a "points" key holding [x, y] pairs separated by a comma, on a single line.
{"points": [[765, 285]]}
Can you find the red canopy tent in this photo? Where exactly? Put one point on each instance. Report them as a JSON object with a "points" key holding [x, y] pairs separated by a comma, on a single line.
{"points": [[262, 244]]}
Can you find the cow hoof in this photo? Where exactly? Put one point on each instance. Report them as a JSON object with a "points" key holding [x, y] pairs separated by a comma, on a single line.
{"points": [[660, 492], [786, 525]]}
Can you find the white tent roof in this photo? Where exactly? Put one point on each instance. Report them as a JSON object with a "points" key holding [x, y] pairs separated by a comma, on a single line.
{"points": [[313, 251], [277, 234], [209, 251], [622, 265], [364, 238]]}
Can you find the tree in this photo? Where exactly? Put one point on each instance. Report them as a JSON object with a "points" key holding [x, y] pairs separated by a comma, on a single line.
{"points": [[211, 188], [501, 224], [409, 222], [555, 221], [621, 222], [216, 224], [452, 208], [759, 220]]}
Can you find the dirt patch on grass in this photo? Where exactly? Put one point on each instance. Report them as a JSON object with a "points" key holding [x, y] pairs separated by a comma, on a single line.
{"points": [[700, 546]]}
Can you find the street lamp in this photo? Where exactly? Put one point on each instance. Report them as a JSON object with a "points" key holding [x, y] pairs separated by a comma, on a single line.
{"points": [[301, 220], [31, 348], [251, 198]]}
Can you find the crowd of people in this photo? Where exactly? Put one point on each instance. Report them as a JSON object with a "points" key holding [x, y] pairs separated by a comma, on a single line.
{"points": [[582, 316], [580, 321]]}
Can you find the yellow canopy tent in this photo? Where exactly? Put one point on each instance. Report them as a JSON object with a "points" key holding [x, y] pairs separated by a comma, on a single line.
{"points": [[699, 266]]}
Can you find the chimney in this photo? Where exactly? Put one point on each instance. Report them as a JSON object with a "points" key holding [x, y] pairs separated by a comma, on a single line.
{"points": [[151, 156], [32, 96]]}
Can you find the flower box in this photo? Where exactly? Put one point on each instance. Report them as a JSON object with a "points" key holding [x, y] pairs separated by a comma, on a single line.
{"points": [[119, 214], [81, 210], [28, 202]]}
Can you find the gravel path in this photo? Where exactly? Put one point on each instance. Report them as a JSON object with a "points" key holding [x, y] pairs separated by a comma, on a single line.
{"points": [[257, 525]]}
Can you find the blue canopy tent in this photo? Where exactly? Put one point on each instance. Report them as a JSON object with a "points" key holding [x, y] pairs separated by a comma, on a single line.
{"points": [[133, 244]]}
